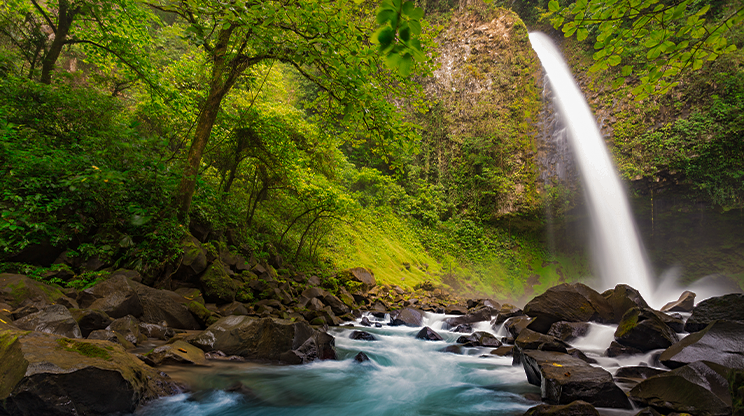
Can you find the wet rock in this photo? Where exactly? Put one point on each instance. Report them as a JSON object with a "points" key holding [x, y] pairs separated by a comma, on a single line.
{"points": [[649, 411], [618, 350], [45, 374], [362, 335], [54, 319], [127, 326], [408, 317], [573, 352], [156, 331], [645, 330], [623, 298], [721, 342], [504, 351], [428, 334], [361, 357], [728, 308], [566, 331], [452, 349], [574, 302], [464, 328], [260, 338], [90, 320], [564, 379], [515, 325], [638, 372], [17, 291], [483, 303], [531, 340], [114, 297], [699, 388], [685, 303], [471, 318], [575, 408], [365, 321], [111, 336], [179, 352], [479, 339], [320, 346], [455, 310], [507, 311]]}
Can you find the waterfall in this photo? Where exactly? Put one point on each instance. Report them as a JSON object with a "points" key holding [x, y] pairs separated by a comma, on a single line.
{"points": [[615, 243]]}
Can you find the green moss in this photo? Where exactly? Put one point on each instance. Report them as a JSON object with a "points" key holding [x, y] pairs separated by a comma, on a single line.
{"points": [[629, 322], [86, 349], [217, 285]]}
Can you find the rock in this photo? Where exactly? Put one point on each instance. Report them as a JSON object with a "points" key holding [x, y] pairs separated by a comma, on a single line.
{"points": [[574, 302], [479, 339], [564, 379], [452, 349], [361, 357], [194, 259], [90, 320], [517, 324], [362, 335], [127, 326], [649, 411], [428, 334], [365, 321], [573, 352], [464, 328], [531, 340], [638, 372], [202, 315], [217, 286], [160, 306], [54, 319], [156, 331], [408, 317], [621, 299], [113, 296], [260, 338], [504, 351], [360, 275], [618, 350], [699, 388], [575, 408], [507, 311], [320, 346], [455, 310], [728, 308], [179, 352], [721, 342], [44, 374], [685, 303], [566, 331], [111, 336], [17, 291], [338, 307], [479, 316], [234, 308], [644, 329]]}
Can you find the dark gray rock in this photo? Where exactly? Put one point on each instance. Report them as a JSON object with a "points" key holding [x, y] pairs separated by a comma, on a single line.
{"points": [[685, 303], [728, 308], [566, 331], [408, 317], [575, 408], [127, 326], [516, 324], [623, 298], [699, 388], [90, 320], [54, 319], [361, 357], [471, 318], [531, 340], [479, 339], [179, 352], [643, 329], [721, 342], [115, 297], [362, 335], [428, 334], [574, 302], [618, 350]]}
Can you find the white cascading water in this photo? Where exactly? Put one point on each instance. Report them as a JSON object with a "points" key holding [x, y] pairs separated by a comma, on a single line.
{"points": [[617, 247]]}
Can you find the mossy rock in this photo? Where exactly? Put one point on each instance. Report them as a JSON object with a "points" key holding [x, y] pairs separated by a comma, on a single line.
{"points": [[217, 285], [193, 260], [18, 290], [201, 313]]}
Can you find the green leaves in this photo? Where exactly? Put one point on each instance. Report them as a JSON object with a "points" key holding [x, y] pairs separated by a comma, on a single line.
{"points": [[397, 35], [657, 40]]}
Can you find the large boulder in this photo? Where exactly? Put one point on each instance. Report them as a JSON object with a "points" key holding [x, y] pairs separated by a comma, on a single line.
{"points": [[114, 296], [17, 291], [193, 261], [685, 303], [516, 324], [575, 408], [90, 320], [728, 308], [700, 388], [217, 285], [408, 317], [531, 340], [643, 329], [574, 302], [260, 339], [479, 339], [564, 379], [567, 331], [128, 327], [160, 306], [471, 318], [428, 334], [54, 319], [44, 374], [721, 342], [360, 277], [622, 298]]}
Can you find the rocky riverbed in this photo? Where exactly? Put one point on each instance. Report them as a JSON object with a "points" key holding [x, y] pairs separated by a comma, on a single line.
{"points": [[103, 350]]}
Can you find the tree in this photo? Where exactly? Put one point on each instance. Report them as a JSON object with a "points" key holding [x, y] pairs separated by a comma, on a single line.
{"points": [[324, 40], [656, 40]]}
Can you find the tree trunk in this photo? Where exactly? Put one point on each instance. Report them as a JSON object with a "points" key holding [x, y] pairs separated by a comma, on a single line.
{"points": [[66, 17]]}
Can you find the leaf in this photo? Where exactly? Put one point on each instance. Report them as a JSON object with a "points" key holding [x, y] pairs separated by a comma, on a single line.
{"points": [[385, 16], [627, 70], [385, 37], [405, 64], [408, 7], [553, 6], [581, 34], [415, 27], [617, 83], [614, 60]]}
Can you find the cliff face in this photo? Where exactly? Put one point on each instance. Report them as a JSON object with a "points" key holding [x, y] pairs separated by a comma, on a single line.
{"points": [[480, 139]]}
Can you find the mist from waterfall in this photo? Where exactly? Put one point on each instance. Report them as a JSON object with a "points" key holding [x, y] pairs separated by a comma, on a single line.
{"points": [[615, 243]]}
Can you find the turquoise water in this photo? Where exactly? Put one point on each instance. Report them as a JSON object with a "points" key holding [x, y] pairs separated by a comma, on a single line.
{"points": [[405, 376]]}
